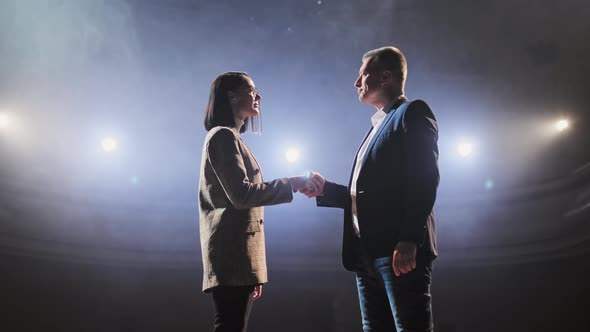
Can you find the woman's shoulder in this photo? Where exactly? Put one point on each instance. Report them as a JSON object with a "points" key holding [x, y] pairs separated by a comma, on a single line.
{"points": [[221, 133]]}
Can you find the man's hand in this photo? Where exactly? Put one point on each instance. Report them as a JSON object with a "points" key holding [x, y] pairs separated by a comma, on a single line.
{"points": [[404, 258], [257, 292], [314, 186], [301, 183]]}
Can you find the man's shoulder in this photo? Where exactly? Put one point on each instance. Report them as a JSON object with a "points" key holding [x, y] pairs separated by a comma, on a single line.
{"points": [[417, 104], [417, 108]]}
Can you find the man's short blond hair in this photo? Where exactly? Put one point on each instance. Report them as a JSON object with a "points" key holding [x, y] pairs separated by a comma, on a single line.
{"points": [[389, 58]]}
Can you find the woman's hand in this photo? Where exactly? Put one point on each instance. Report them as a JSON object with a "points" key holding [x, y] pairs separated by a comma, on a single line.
{"points": [[257, 292], [311, 185], [299, 183], [315, 185]]}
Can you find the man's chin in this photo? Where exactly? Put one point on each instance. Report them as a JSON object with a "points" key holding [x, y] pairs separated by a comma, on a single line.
{"points": [[364, 99]]}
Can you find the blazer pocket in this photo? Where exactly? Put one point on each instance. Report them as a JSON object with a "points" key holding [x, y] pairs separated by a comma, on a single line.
{"points": [[254, 226]]}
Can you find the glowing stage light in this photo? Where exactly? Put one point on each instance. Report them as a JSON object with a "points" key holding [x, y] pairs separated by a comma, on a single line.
{"points": [[109, 144], [465, 149], [489, 184], [4, 120], [562, 125], [292, 155]]}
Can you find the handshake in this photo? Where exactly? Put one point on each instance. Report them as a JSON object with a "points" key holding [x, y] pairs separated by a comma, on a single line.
{"points": [[311, 185]]}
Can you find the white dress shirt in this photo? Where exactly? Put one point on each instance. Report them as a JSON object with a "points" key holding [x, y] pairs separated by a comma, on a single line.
{"points": [[376, 120]]}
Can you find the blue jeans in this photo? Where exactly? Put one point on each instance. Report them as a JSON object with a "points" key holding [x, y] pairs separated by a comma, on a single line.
{"points": [[390, 303]]}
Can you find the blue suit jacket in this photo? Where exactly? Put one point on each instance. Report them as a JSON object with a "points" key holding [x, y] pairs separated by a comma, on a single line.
{"points": [[396, 187]]}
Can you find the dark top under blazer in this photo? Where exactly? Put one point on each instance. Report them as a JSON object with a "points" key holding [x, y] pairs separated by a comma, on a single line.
{"points": [[396, 187], [231, 195]]}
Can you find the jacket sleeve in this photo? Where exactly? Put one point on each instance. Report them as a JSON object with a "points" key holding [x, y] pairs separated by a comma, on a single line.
{"points": [[421, 150], [224, 154], [334, 196]]}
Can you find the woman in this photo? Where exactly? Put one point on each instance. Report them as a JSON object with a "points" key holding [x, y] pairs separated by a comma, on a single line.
{"points": [[231, 199]]}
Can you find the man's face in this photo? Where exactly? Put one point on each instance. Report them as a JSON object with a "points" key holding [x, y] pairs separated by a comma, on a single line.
{"points": [[368, 84]]}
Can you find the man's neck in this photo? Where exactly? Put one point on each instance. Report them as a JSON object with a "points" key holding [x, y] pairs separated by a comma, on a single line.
{"points": [[388, 99]]}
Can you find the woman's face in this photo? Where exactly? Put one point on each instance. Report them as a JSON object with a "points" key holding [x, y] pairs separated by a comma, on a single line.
{"points": [[246, 100]]}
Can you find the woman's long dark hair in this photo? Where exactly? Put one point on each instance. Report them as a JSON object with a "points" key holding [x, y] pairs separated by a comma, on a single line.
{"points": [[219, 112]]}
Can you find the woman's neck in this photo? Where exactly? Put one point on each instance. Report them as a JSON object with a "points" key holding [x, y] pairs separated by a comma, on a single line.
{"points": [[238, 123]]}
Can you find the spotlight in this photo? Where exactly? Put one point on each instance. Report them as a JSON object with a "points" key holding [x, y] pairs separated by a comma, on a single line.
{"points": [[4, 120], [292, 155], [562, 125], [109, 144], [465, 149]]}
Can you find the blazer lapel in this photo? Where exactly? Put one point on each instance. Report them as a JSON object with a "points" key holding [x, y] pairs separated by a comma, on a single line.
{"points": [[253, 164], [376, 136], [384, 124]]}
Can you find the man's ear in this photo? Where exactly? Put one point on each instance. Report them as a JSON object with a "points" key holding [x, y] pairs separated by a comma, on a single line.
{"points": [[386, 76]]}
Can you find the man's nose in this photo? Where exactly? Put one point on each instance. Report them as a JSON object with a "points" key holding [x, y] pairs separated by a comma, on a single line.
{"points": [[357, 83], [258, 97]]}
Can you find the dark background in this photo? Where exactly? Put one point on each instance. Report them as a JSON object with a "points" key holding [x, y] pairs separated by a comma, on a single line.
{"points": [[91, 241]]}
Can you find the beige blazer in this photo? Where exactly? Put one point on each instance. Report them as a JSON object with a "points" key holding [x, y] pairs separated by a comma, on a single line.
{"points": [[231, 216]]}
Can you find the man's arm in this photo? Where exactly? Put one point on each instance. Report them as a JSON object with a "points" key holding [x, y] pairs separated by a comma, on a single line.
{"points": [[334, 195], [420, 145], [421, 150]]}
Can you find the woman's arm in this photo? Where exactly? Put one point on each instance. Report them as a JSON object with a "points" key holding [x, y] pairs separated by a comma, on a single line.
{"points": [[226, 160]]}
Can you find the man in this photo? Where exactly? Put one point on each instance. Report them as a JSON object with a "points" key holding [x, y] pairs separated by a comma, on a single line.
{"points": [[389, 238]]}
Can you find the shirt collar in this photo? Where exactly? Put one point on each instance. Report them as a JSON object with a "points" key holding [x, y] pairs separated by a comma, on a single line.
{"points": [[383, 111], [378, 117], [395, 103]]}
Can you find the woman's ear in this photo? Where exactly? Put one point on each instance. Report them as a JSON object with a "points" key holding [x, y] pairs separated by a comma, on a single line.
{"points": [[231, 98]]}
